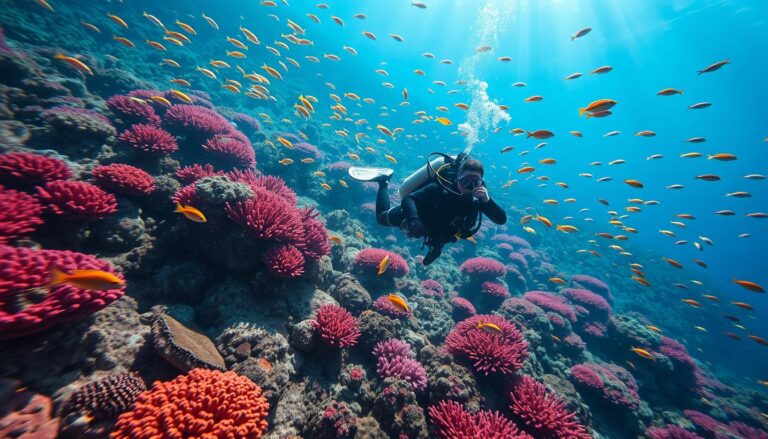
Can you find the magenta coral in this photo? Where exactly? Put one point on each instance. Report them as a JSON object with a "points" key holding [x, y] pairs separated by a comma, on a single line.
{"points": [[612, 383], [77, 200], [598, 307], [551, 302], [518, 260], [676, 352], [514, 240], [670, 432], [384, 306], [276, 185], [131, 112], [284, 260], [267, 217], [148, 139], [19, 214], [494, 289], [432, 287], [592, 284], [368, 259], [124, 179], [451, 421], [26, 273], [704, 423], [316, 243], [462, 308], [232, 149], [483, 268], [395, 358], [336, 326], [543, 413], [195, 121], [190, 174], [489, 351], [27, 169], [745, 431]]}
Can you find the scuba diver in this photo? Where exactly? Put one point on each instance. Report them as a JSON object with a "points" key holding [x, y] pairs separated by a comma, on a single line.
{"points": [[441, 202]]}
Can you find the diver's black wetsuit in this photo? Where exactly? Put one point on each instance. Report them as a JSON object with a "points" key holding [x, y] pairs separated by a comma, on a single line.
{"points": [[443, 213]]}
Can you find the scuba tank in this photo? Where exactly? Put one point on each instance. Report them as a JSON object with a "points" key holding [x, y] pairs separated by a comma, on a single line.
{"points": [[443, 169]]}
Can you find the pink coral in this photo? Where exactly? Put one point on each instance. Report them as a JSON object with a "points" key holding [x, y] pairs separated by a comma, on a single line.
{"points": [[514, 240], [543, 413], [462, 308], [195, 121], [483, 268], [384, 306], [284, 260], [267, 217], [518, 260], [77, 200], [19, 214], [368, 259], [431, 287], [611, 383], [670, 432], [593, 284], [232, 149], [149, 139], [276, 185], [316, 243], [125, 179], [190, 174], [551, 302], [451, 421], [27, 169], [27, 305], [598, 307], [336, 326], [131, 112], [489, 351], [395, 358], [494, 289]]}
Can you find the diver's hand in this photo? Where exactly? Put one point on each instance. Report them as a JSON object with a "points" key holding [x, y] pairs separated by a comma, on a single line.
{"points": [[481, 193], [415, 229]]}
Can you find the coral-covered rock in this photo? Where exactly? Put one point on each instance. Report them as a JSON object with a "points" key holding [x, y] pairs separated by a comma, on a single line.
{"points": [[543, 414], [202, 403], [486, 349], [593, 284], [609, 383], [551, 302], [105, 398], [398, 411], [316, 243], [77, 200], [24, 414], [336, 326], [231, 150], [462, 308], [351, 294], [494, 289], [182, 347], [24, 169], [19, 214], [124, 179], [432, 287], [598, 307], [267, 217], [78, 124], [336, 420], [385, 306], [29, 305], [284, 260], [482, 268], [375, 327], [368, 259], [129, 111], [148, 139], [192, 173], [195, 123], [450, 420]]}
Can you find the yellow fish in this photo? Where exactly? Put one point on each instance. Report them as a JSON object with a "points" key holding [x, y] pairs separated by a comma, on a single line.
{"points": [[398, 302], [343, 183], [285, 142], [86, 279], [326, 186], [444, 121], [74, 62], [308, 160], [488, 327], [190, 213], [643, 353], [390, 158], [383, 265]]}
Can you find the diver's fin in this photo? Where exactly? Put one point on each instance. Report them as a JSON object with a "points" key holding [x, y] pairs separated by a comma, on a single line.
{"points": [[360, 173]]}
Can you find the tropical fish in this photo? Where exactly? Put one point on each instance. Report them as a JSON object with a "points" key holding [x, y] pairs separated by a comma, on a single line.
{"points": [[383, 265], [190, 213], [488, 327], [398, 302], [74, 62], [598, 105], [86, 279], [643, 353], [540, 134], [749, 285]]}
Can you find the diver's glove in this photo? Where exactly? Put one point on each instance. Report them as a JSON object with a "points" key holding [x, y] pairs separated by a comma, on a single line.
{"points": [[415, 228]]}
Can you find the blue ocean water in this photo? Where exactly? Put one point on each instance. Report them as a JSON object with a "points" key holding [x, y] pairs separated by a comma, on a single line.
{"points": [[474, 52]]}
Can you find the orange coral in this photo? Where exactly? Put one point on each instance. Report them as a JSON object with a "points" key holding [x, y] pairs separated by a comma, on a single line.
{"points": [[203, 404]]}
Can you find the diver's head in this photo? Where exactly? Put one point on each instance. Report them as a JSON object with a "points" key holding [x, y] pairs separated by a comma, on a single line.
{"points": [[470, 176]]}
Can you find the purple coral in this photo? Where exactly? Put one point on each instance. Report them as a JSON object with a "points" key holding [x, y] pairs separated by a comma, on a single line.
{"points": [[593, 284], [551, 302], [598, 307], [482, 268], [395, 359]]}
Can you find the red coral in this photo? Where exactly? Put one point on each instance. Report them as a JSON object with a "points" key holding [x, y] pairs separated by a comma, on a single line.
{"points": [[384, 306], [551, 302], [483, 268], [19, 214], [232, 149], [195, 121], [130, 111], [368, 260], [462, 308], [284, 260], [494, 289], [277, 186], [336, 326], [316, 243], [149, 139], [451, 421], [488, 351], [125, 179], [202, 403], [267, 217], [190, 174], [598, 307], [544, 414], [27, 169], [27, 305], [77, 200]]}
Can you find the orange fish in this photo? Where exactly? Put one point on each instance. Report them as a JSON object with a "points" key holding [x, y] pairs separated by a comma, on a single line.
{"points": [[488, 327], [540, 134], [634, 183], [190, 213], [74, 62], [86, 279], [692, 302], [398, 302], [744, 305], [383, 265], [751, 286], [643, 353], [759, 340]]}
